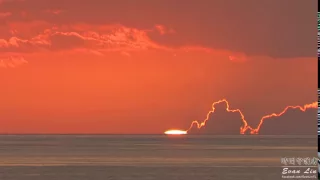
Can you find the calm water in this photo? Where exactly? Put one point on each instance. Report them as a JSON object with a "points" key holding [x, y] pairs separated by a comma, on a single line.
{"points": [[142, 157]]}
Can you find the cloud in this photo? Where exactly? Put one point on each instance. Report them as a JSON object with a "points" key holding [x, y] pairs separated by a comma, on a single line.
{"points": [[163, 30], [207, 24], [97, 39], [293, 121], [117, 39], [39, 36], [12, 62], [222, 120]]}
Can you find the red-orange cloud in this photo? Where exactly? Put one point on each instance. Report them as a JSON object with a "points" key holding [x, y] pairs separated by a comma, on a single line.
{"points": [[52, 39], [164, 30], [88, 38], [12, 62]]}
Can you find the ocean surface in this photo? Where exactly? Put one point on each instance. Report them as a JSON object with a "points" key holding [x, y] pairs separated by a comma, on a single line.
{"points": [[149, 157]]}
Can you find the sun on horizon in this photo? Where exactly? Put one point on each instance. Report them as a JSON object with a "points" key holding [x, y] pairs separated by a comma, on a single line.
{"points": [[175, 132]]}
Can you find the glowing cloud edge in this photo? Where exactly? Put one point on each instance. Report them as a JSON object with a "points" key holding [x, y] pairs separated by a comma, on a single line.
{"points": [[245, 125]]}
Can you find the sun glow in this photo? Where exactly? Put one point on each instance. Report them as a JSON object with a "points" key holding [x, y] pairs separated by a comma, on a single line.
{"points": [[175, 132]]}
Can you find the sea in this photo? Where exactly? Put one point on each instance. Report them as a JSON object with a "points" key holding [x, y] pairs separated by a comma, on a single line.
{"points": [[151, 157]]}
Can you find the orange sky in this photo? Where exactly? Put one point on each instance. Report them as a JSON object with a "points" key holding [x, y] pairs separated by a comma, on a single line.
{"points": [[118, 67]]}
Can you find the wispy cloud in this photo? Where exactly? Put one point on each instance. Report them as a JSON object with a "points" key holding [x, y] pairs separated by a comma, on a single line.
{"points": [[163, 30], [122, 38], [94, 39], [12, 62]]}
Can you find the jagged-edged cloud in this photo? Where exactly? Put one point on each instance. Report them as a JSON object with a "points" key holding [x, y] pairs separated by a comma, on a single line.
{"points": [[122, 38], [95, 39], [219, 122], [292, 122], [223, 121]]}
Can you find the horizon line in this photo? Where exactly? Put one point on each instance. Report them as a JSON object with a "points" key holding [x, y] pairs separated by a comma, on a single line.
{"points": [[155, 134]]}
